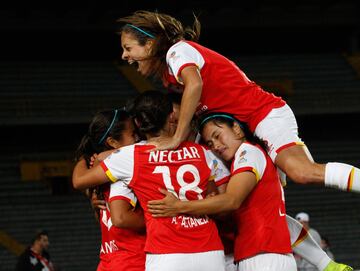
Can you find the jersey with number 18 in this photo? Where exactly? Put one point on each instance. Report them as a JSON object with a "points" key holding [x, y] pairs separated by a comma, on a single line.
{"points": [[185, 172]]}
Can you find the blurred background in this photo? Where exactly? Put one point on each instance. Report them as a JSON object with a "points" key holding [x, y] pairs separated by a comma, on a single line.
{"points": [[60, 63]]}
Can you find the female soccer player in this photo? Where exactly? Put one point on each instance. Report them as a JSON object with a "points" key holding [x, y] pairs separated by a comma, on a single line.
{"points": [[254, 191], [255, 187], [161, 47], [122, 222], [181, 242]]}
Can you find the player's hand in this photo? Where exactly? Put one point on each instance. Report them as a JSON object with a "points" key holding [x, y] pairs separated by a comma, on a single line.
{"points": [[164, 143], [93, 159], [97, 203], [103, 155], [166, 207], [212, 194]]}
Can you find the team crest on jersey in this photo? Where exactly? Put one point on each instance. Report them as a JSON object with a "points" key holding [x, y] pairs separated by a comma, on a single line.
{"points": [[242, 158], [173, 56], [218, 170]]}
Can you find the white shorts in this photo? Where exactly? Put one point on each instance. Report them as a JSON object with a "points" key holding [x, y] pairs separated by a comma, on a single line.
{"points": [[229, 263], [209, 261], [278, 130], [268, 262]]}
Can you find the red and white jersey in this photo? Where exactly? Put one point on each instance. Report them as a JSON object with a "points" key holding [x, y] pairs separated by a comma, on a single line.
{"points": [[261, 218], [225, 87], [185, 173], [221, 173], [118, 243]]}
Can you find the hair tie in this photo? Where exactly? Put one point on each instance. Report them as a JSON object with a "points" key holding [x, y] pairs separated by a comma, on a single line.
{"points": [[110, 126]]}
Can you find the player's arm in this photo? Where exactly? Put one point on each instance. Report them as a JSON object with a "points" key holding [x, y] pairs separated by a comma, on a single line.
{"points": [[238, 188], [123, 215], [193, 84], [222, 188], [191, 78], [83, 177], [212, 189]]}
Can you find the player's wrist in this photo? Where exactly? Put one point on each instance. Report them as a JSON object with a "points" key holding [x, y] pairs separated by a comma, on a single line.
{"points": [[181, 207]]}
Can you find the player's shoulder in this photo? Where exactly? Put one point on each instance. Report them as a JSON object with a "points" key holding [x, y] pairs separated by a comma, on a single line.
{"points": [[249, 154], [248, 149], [180, 46]]}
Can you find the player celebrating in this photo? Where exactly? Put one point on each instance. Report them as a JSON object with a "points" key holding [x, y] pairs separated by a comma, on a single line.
{"points": [[122, 226], [181, 242], [255, 187], [161, 47]]}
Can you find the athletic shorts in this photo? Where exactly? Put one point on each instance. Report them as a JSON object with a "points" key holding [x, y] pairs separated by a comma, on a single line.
{"points": [[268, 262], [229, 263], [209, 261], [278, 130]]}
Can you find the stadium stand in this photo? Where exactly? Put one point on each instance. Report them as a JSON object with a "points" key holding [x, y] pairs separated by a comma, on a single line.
{"points": [[321, 83], [27, 206], [59, 92]]}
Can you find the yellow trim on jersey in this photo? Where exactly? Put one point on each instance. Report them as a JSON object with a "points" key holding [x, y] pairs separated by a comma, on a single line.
{"points": [[211, 178], [351, 179], [257, 175], [110, 176], [133, 203]]}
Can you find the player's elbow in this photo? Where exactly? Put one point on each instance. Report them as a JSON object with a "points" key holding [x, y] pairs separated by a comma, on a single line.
{"points": [[77, 183], [233, 203], [119, 220]]}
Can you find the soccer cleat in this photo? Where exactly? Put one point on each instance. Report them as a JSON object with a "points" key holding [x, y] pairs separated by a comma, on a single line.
{"points": [[333, 266]]}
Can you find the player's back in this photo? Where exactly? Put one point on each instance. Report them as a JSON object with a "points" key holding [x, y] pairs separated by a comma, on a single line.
{"points": [[185, 173]]}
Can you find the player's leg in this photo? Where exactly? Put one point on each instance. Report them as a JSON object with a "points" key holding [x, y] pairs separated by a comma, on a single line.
{"points": [[305, 246], [295, 162], [279, 130]]}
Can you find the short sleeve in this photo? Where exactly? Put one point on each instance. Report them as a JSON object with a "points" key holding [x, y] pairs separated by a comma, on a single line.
{"points": [[120, 164], [120, 191], [249, 158], [220, 174], [182, 55]]}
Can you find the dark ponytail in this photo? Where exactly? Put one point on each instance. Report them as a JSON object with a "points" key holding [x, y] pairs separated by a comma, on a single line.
{"points": [[151, 110]]}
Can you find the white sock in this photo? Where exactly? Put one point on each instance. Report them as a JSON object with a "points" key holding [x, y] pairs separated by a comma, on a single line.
{"points": [[303, 244], [342, 176]]}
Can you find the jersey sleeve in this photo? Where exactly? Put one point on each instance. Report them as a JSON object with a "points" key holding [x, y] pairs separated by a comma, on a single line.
{"points": [[220, 174], [120, 164], [182, 55], [249, 158], [120, 191]]}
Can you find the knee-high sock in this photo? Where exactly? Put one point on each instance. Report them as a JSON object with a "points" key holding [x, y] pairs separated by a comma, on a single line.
{"points": [[342, 176], [303, 244]]}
